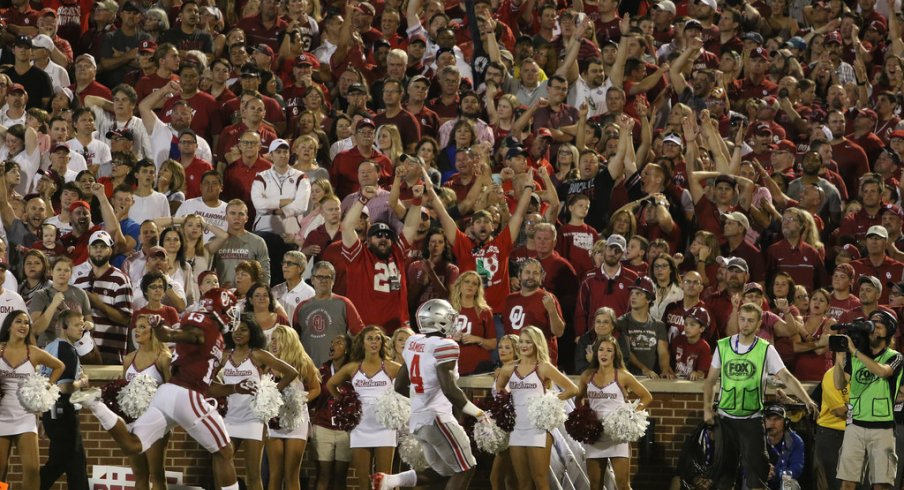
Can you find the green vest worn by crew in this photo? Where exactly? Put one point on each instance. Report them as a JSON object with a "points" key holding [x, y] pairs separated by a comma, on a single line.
{"points": [[741, 393], [872, 398]]}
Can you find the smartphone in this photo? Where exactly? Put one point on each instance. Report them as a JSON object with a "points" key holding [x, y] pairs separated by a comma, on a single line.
{"points": [[838, 343]]}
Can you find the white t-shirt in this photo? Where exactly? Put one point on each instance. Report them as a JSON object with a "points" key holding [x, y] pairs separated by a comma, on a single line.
{"points": [[215, 216], [153, 206]]}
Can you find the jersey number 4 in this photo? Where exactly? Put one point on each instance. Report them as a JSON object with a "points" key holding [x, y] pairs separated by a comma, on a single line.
{"points": [[414, 374]]}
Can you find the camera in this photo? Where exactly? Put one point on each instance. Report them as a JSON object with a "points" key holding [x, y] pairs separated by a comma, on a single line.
{"points": [[858, 331]]}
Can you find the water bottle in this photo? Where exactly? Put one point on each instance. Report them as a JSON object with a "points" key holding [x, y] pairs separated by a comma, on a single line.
{"points": [[786, 480]]}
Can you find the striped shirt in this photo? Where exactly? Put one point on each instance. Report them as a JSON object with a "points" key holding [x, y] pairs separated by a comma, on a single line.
{"points": [[114, 289]]}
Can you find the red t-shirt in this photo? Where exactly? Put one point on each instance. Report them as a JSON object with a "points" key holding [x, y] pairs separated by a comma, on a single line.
{"points": [[479, 323], [490, 260], [688, 357], [521, 311], [377, 287]]}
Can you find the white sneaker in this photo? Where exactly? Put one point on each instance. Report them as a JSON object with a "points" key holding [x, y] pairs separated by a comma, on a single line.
{"points": [[85, 398]]}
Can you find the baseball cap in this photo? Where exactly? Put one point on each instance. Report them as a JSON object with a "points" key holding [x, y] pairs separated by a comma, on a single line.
{"points": [[99, 235], [739, 217], [872, 280], [644, 284], [277, 144], [673, 138], [43, 41], [365, 122], [381, 228], [147, 46], [878, 230], [700, 314], [666, 5], [515, 152], [616, 240], [157, 251]]}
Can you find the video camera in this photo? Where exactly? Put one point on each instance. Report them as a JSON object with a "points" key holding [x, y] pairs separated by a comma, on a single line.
{"points": [[858, 331]]}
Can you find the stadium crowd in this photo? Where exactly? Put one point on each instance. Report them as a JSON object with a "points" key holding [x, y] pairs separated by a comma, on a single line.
{"points": [[672, 173]]}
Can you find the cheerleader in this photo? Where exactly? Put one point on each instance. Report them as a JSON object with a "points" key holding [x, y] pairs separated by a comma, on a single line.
{"points": [[18, 359], [285, 448], [331, 445], [530, 447], [153, 359], [605, 385], [502, 475], [247, 359], [371, 374]]}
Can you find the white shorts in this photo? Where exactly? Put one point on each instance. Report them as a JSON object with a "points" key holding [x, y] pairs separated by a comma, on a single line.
{"points": [[174, 405], [446, 446]]}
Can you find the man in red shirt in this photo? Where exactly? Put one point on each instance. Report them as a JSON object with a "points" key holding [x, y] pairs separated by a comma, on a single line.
{"points": [[167, 58], [344, 170], [245, 163], [607, 286], [856, 225], [476, 250], [533, 305], [795, 256], [877, 263], [376, 282]]}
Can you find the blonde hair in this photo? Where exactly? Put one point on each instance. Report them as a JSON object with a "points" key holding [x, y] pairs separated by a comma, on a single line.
{"points": [[396, 150], [536, 336], [480, 302], [292, 352]]}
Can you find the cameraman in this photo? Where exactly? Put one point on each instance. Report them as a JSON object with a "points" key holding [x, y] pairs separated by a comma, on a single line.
{"points": [[786, 449], [874, 377]]}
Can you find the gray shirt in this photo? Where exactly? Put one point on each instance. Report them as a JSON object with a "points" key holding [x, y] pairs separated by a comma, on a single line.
{"points": [[237, 249], [76, 300], [643, 339]]}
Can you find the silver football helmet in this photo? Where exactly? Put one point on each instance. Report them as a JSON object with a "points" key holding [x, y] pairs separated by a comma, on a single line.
{"points": [[436, 315]]}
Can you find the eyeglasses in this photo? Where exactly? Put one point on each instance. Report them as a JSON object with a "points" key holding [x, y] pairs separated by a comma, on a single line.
{"points": [[322, 278]]}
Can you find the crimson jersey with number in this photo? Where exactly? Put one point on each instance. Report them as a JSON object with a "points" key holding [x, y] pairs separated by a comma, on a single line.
{"points": [[521, 311], [377, 287], [193, 364], [470, 321]]}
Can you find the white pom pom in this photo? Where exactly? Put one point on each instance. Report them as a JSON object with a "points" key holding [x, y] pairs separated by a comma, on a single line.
{"points": [[393, 410], [546, 412], [411, 452], [489, 437], [294, 412], [135, 397], [626, 424], [37, 394], [267, 401]]}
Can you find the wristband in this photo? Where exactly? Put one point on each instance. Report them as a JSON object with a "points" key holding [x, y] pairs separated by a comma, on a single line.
{"points": [[471, 409]]}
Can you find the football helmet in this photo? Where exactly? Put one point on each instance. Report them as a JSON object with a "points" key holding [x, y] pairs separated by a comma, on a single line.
{"points": [[221, 303], [436, 315]]}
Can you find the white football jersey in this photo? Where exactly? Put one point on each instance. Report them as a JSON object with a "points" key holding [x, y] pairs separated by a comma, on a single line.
{"points": [[422, 354]]}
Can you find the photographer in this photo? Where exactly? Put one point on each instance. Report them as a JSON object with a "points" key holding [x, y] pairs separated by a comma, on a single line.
{"points": [[874, 373], [747, 360]]}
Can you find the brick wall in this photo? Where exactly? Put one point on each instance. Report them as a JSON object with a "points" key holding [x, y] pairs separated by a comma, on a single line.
{"points": [[677, 409]]}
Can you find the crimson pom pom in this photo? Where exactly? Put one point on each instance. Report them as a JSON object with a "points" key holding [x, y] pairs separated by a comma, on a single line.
{"points": [[346, 409], [109, 392], [583, 425], [502, 409]]}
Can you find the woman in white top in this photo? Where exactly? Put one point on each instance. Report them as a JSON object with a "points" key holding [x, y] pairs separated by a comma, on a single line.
{"points": [[153, 359], [529, 446], [502, 476], [18, 360], [285, 448], [371, 374], [605, 386], [246, 358]]}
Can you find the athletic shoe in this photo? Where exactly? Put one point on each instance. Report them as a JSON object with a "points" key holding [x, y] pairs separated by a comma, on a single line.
{"points": [[378, 481], [85, 398]]}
